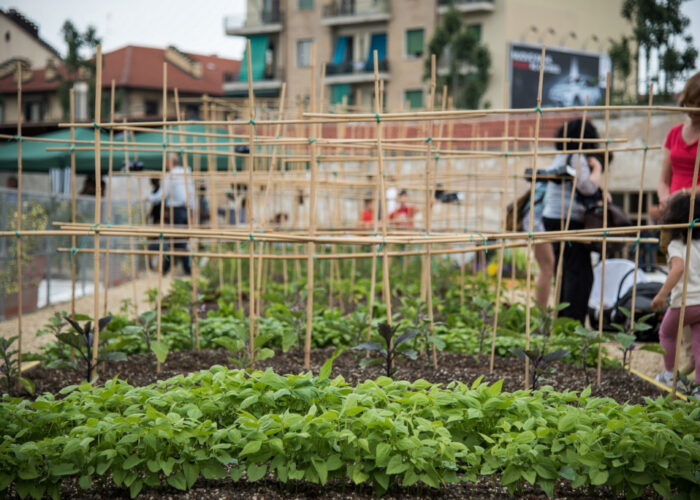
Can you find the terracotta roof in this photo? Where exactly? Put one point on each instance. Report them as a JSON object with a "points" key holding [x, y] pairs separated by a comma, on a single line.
{"points": [[141, 68]]}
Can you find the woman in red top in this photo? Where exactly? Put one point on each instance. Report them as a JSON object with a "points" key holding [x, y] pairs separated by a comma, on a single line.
{"points": [[681, 147]]}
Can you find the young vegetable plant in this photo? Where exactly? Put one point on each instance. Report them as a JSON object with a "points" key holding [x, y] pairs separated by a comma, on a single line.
{"points": [[238, 345], [390, 349], [628, 340], [484, 308], [82, 338], [146, 330], [586, 339], [540, 362], [10, 368]]}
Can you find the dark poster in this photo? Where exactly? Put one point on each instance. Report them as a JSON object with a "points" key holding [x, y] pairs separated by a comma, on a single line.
{"points": [[569, 76]]}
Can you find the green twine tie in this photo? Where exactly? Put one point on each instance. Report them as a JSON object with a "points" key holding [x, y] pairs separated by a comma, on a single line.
{"points": [[539, 110], [74, 250], [692, 224], [18, 137], [429, 139], [636, 243], [311, 141], [379, 120]]}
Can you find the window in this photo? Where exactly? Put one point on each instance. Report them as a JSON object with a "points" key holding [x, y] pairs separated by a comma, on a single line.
{"points": [[192, 111], [304, 53], [415, 43], [414, 98], [306, 4], [150, 107], [34, 110], [475, 29]]}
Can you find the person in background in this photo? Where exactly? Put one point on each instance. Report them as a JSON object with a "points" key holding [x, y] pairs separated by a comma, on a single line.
{"points": [[678, 163], [11, 182], [367, 215], [178, 193], [403, 215], [544, 253], [577, 271], [681, 147], [678, 212]]}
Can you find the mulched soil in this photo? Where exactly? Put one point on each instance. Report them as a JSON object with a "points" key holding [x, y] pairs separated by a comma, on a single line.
{"points": [[140, 370]]}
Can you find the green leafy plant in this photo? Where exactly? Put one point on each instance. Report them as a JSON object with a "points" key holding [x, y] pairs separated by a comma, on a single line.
{"points": [[146, 331], [390, 350], [628, 340], [540, 362], [82, 339], [10, 368], [586, 339], [237, 342]]}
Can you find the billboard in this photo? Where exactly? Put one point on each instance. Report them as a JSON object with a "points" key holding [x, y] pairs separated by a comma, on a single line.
{"points": [[569, 76]]}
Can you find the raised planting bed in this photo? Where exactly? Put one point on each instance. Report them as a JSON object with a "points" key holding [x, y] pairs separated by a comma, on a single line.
{"points": [[319, 437], [140, 370]]}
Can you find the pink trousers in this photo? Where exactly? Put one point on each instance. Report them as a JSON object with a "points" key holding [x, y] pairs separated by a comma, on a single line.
{"points": [[669, 331]]}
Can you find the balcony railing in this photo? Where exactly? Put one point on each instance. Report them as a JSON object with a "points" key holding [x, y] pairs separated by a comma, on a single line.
{"points": [[473, 6], [264, 21], [354, 11], [357, 67]]}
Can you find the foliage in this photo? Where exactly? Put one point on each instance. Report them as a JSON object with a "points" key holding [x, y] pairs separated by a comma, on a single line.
{"points": [[467, 59], [237, 342], [146, 331], [82, 339], [587, 339], [382, 432], [391, 349], [660, 25], [628, 340], [10, 368], [621, 59], [540, 362]]}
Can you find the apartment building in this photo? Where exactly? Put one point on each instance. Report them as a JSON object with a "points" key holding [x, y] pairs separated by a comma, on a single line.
{"points": [[346, 32]]}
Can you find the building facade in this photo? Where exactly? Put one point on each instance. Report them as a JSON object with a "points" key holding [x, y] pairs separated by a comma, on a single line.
{"points": [[346, 32]]}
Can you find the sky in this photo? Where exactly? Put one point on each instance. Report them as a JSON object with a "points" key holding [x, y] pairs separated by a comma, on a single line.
{"points": [[192, 26]]}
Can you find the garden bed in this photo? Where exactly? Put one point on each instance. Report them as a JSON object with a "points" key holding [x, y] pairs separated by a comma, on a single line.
{"points": [[140, 370]]}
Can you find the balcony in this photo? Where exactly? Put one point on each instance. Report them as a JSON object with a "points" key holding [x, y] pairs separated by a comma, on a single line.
{"points": [[355, 72], [265, 21], [268, 86], [466, 6], [344, 12]]}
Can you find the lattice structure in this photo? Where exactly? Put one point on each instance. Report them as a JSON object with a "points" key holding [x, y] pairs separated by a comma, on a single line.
{"points": [[333, 162]]}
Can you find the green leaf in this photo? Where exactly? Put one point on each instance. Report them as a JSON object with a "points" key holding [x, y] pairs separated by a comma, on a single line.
{"points": [[178, 481], [28, 385], [653, 348], [132, 461], [160, 349], [598, 477], [567, 422], [136, 488], [382, 454], [251, 447], [510, 475], [321, 469], [328, 365], [85, 482], [191, 473], [212, 469], [264, 353], [396, 465], [256, 472]]}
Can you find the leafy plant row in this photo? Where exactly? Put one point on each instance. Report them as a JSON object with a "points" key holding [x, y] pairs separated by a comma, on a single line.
{"points": [[385, 432]]}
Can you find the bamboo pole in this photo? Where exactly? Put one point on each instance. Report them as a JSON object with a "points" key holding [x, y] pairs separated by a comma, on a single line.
{"points": [[528, 297], [311, 247], [18, 215], [604, 250], [109, 199], [428, 261], [73, 206], [159, 293], [250, 202], [131, 238], [500, 250], [98, 210]]}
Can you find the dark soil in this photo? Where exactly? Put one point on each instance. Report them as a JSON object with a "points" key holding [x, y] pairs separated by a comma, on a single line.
{"points": [[140, 370]]}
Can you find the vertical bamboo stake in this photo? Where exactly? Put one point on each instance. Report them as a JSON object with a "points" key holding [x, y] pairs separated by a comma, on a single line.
{"points": [[159, 294], [686, 272], [109, 196], [604, 250], [528, 297], [311, 247], [515, 215], [98, 210], [73, 204], [639, 210], [249, 208], [428, 261], [18, 255], [500, 249], [129, 221]]}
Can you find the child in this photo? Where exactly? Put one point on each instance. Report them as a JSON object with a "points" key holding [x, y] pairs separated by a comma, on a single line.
{"points": [[677, 213]]}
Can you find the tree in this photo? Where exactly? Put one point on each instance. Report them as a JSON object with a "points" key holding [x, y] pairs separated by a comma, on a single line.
{"points": [[467, 60], [78, 67], [659, 25], [621, 58]]}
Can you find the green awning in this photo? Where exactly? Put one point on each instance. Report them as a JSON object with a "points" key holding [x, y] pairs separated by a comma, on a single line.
{"points": [[338, 92], [258, 48]]}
